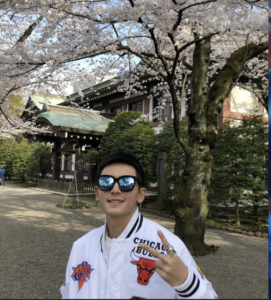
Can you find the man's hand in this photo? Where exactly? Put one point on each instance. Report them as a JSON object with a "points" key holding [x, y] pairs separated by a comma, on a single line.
{"points": [[171, 269]]}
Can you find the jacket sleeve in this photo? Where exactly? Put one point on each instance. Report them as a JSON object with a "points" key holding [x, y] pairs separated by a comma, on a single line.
{"points": [[64, 289], [196, 285]]}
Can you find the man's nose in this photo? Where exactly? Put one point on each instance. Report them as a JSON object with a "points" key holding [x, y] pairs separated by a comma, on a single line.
{"points": [[116, 189]]}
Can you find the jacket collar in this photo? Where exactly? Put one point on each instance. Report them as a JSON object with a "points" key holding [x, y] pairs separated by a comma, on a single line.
{"points": [[132, 227]]}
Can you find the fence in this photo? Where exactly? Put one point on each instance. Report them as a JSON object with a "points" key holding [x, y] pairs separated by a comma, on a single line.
{"points": [[64, 187]]}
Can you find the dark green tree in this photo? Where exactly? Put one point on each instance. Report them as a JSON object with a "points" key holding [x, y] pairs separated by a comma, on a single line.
{"points": [[91, 159], [40, 161], [92, 156], [240, 164], [14, 157], [174, 162], [7, 152], [137, 139]]}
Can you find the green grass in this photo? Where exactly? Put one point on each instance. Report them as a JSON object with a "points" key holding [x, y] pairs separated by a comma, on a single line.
{"points": [[246, 227], [213, 222]]}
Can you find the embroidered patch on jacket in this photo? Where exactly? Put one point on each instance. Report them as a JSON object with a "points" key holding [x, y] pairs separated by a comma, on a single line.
{"points": [[145, 268], [81, 273], [202, 275]]}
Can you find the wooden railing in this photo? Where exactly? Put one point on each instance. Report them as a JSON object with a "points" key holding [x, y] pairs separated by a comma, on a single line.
{"points": [[64, 187]]}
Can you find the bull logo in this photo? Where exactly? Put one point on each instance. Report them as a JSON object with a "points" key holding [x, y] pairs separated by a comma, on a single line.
{"points": [[81, 274], [145, 268]]}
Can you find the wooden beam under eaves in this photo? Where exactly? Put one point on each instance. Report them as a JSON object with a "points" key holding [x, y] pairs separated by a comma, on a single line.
{"points": [[67, 149]]}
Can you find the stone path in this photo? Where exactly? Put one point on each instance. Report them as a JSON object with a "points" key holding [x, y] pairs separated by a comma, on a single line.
{"points": [[36, 239]]}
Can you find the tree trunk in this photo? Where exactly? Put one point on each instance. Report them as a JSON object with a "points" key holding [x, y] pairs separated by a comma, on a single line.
{"points": [[237, 213], [204, 108], [192, 202], [255, 208]]}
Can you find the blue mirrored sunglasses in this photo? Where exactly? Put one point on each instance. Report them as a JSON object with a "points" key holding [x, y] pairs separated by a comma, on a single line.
{"points": [[126, 183]]}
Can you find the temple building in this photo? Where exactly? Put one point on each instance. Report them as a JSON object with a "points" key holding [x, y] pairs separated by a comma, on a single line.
{"points": [[71, 132]]}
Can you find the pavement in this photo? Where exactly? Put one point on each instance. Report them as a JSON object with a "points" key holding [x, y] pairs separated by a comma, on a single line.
{"points": [[36, 239]]}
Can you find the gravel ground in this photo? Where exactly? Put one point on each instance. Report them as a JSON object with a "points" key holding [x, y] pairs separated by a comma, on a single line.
{"points": [[36, 239]]}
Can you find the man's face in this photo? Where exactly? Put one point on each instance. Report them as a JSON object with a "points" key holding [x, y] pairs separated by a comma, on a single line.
{"points": [[116, 203]]}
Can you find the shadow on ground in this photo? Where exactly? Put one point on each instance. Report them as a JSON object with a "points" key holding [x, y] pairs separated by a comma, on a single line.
{"points": [[36, 239]]}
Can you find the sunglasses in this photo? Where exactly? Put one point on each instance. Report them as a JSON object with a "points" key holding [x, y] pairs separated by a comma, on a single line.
{"points": [[126, 183]]}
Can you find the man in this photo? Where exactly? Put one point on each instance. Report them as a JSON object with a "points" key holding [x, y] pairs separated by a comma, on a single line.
{"points": [[2, 175], [130, 257]]}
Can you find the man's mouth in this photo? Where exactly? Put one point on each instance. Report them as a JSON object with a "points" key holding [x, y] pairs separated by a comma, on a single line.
{"points": [[115, 201]]}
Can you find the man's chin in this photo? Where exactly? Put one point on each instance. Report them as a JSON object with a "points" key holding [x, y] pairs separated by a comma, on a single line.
{"points": [[118, 212]]}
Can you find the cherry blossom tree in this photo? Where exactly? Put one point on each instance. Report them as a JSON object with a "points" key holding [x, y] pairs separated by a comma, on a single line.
{"points": [[12, 79], [194, 50]]}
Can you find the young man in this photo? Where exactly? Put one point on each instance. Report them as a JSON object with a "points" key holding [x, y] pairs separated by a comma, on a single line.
{"points": [[130, 257]]}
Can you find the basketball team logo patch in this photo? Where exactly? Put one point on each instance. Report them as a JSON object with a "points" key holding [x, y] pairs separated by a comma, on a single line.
{"points": [[81, 273], [145, 268]]}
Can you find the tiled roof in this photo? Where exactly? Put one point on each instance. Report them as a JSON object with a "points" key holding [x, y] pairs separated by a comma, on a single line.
{"points": [[74, 120]]}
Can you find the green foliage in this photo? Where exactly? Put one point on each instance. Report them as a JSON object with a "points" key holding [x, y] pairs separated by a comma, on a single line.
{"points": [[137, 139], [40, 161], [240, 163], [22, 159], [24, 151], [14, 157], [7, 152], [174, 162], [91, 156]]}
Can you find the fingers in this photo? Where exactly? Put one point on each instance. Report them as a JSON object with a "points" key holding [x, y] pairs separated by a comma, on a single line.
{"points": [[152, 251], [163, 239], [170, 268]]}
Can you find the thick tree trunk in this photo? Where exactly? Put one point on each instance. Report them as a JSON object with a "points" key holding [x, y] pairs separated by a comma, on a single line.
{"points": [[203, 111], [192, 203]]}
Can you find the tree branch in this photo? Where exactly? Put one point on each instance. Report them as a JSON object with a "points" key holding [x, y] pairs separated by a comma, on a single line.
{"points": [[224, 82], [29, 30], [177, 23]]}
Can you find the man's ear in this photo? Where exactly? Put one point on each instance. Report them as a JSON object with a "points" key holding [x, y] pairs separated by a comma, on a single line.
{"points": [[141, 195], [96, 189]]}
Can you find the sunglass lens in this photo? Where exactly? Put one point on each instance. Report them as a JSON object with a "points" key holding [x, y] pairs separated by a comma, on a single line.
{"points": [[126, 183], [106, 183]]}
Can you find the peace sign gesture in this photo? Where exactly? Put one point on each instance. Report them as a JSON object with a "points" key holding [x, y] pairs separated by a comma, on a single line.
{"points": [[170, 267]]}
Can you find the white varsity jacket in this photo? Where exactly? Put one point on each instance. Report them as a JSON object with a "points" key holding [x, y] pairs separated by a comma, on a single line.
{"points": [[129, 271]]}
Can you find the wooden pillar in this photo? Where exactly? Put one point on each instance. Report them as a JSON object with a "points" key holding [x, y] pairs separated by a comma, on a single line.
{"points": [[79, 165], [56, 162]]}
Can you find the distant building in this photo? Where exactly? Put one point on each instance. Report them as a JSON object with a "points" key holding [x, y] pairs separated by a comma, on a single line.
{"points": [[107, 98], [37, 103], [70, 131]]}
